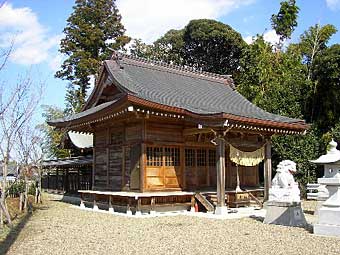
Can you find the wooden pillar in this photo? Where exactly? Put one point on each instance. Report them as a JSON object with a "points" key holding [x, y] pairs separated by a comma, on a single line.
{"points": [[111, 209], [48, 181], [267, 168], [78, 180], [220, 170], [128, 207], [93, 165], [139, 207], [152, 206], [57, 180], [182, 163], [192, 203], [95, 206], [107, 165], [67, 181], [82, 204], [142, 159]]}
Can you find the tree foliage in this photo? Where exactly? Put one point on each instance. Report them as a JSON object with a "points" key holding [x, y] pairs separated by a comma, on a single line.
{"points": [[93, 30], [53, 137], [327, 77], [272, 80], [205, 44], [313, 41], [285, 21], [212, 46], [300, 149]]}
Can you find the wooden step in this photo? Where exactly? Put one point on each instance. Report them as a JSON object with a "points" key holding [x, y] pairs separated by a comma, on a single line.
{"points": [[205, 202]]}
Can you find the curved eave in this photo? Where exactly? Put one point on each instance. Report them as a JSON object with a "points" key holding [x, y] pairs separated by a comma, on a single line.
{"points": [[92, 116], [131, 99], [296, 126]]}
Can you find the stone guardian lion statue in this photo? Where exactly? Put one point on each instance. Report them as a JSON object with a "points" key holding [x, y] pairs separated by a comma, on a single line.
{"points": [[284, 188]]}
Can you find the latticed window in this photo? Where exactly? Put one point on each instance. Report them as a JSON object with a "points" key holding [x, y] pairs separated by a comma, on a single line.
{"points": [[172, 157], [154, 156], [212, 157], [201, 157], [190, 157]]}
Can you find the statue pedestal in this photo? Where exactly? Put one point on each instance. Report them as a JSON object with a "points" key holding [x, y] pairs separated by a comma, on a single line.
{"points": [[285, 213]]}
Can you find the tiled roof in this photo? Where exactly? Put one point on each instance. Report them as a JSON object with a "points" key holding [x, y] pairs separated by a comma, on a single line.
{"points": [[177, 87], [80, 115], [197, 92]]}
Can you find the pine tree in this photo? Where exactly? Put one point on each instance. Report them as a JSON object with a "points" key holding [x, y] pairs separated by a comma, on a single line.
{"points": [[92, 31]]}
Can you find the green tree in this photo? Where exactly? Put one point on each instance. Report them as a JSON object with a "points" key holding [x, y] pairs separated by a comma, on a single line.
{"points": [[92, 31], [140, 49], [205, 44], [285, 21], [212, 46], [300, 149], [74, 100], [170, 46], [312, 43], [272, 80], [53, 137], [327, 75]]}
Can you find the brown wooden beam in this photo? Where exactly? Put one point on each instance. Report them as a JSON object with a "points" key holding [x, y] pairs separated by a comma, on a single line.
{"points": [[267, 168], [220, 169], [142, 160]]}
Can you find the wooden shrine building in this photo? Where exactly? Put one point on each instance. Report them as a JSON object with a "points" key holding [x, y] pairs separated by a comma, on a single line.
{"points": [[67, 175], [159, 127]]}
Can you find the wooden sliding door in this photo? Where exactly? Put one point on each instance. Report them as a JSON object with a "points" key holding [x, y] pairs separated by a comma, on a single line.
{"points": [[163, 168]]}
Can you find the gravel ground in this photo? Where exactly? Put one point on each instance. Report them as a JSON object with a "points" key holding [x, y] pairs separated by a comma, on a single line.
{"points": [[59, 228]]}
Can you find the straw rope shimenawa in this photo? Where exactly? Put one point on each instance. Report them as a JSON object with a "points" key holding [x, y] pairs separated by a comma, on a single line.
{"points": [[246, 158]]}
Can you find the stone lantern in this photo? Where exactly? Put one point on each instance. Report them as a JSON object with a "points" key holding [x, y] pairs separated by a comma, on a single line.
{"points": [[329, 213]]}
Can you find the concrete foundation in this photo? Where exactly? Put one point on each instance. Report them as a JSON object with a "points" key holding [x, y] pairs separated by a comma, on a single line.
{"points": [[221, 210], [286, 214], [326, 230]]}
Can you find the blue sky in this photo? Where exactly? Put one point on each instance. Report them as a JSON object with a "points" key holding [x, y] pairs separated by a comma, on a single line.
{"points": [[37, 28]]}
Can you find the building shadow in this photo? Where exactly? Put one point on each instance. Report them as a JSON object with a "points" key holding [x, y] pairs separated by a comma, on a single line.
{"points": [[308, 227]]}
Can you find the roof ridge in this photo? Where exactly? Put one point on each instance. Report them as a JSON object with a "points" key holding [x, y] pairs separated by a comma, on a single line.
{"points": [[119, 55]]}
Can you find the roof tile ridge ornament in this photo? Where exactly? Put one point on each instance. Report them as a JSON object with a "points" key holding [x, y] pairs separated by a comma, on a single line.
{"points": [[120, 55]]}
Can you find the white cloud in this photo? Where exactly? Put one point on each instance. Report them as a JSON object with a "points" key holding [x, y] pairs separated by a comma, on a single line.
{"points": [[271, 37], [149, 19], [333, 4], [56, 62], [248, 39], [32, 43]]}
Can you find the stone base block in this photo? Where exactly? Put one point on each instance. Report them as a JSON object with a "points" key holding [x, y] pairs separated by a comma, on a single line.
{"points": [[221, 210], [287, 214], [326, 230], [329, 216]]}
